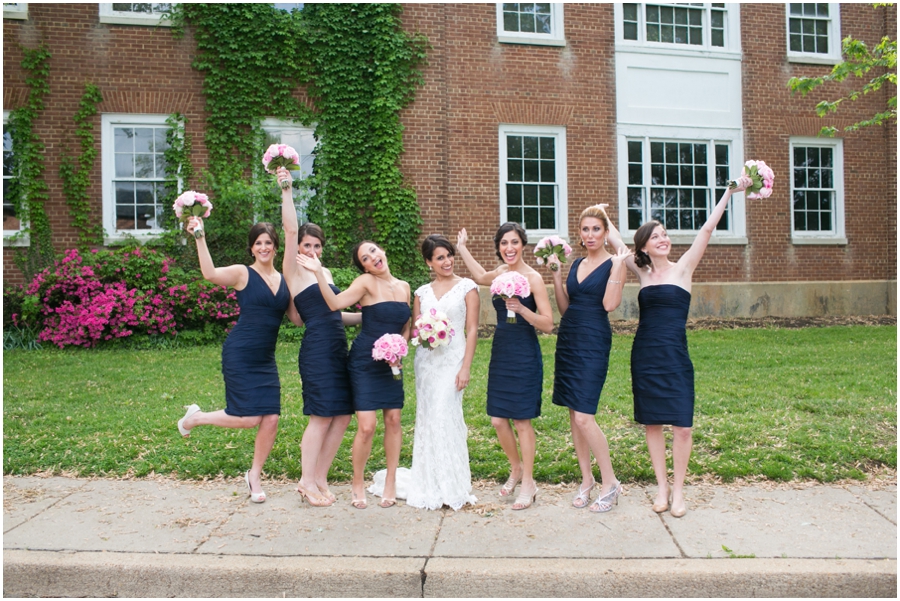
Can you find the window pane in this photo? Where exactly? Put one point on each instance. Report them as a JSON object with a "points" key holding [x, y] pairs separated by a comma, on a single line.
{"points": [[513, 194], [124, 165], [531, 219], [510, 23], [629, 12], [531, 171], [548, 171], [548, 218], [635, 174], [514, 170], [514, 214], [529, 196], [548, 148], [514, 146], [547, 196], [143, 165], [635, 151], [630, 31], [530, 147]]}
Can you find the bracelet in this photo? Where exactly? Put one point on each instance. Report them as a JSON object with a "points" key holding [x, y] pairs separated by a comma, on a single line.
{"points": [[615, 281]]}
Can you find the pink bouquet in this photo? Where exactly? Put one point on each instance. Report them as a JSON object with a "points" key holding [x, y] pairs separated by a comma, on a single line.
{"points": [[762, 176], [552, 245], [192, 204], [281, 155], [510, 284], [432, 330], [390, 348]]}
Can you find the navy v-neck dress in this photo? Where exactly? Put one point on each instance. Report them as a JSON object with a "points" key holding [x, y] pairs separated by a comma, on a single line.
{"points": [[583, 342]]}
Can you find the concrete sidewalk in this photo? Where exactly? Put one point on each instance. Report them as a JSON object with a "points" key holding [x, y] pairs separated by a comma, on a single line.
{"points": [[163, 538]]}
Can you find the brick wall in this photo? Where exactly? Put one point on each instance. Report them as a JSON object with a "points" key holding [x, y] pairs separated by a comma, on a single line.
{"points": [[472, 85]]}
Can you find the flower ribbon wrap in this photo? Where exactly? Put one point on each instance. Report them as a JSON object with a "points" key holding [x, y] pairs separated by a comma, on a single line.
{"points": [[390, 348]]}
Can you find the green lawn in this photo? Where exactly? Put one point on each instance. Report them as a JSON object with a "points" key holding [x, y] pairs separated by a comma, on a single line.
{"points": [[783, 404]]}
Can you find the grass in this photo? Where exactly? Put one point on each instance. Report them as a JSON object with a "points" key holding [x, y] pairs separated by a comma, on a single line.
{"points": [[781, 404]]}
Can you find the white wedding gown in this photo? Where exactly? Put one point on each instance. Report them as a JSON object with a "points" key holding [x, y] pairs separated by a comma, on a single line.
{"points": [[440, 467]]}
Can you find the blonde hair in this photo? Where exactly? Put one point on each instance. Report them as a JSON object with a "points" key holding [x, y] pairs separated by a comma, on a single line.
{"points": [[597, 213]]}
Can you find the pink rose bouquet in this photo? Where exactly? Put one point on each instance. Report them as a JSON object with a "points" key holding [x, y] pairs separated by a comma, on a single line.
{"points": [[281, 155], [552, 245], [390, 348], [192, 204], [510, 284], [432, 329], [762, 177]]}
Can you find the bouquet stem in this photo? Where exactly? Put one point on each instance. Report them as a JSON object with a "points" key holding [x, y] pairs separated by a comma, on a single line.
{"points": [[285, 185], [510, 316], [198, 232], [396, 372]]}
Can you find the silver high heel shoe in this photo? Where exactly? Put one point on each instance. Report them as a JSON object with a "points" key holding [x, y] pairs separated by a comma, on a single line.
{"points": [[606, 502]]}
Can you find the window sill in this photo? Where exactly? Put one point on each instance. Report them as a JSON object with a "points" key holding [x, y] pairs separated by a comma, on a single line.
{"points": [[813, 59], [680, 240], [531, 41], [535, 238], [120, 238], [13, 13], [13, 240], [803, 241], [679, 50], [145, 21]]}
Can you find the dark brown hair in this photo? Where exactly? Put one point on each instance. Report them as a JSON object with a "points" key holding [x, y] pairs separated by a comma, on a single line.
{"points": [[258, 230], [433, 242], [310, 229], [509, 226], [354, 254], [643, 233]]}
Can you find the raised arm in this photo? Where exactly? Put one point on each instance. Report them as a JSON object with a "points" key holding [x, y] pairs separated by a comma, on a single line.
{"points": [[479, 274], [613, 296], [691, 258], [234, 276], [559, 291], [291, 226], [349, 297], [615, 240]]}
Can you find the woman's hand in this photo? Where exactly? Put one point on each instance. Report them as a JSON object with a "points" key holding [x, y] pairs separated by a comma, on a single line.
{"points": [[554, 260], [283, 175], [743, 182], [514, 305], [398, 363], [462, 378], [623, 253], [310, 263], [192, 224], [461, 238]]}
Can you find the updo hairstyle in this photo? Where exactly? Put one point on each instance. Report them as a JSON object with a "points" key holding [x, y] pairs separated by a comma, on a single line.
{"points": [[507, 227], [641, 236], [433, 242]]}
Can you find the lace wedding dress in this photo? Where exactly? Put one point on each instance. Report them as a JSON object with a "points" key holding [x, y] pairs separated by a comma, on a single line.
{"points": [[440, 467]]}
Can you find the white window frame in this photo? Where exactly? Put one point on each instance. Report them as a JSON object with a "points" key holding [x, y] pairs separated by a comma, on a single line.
{"points": [[270, 125], [20, 236], [15, 10], [737, 232], [556, 38], [834, 39], [115, 17], [732, 34], [109, 121], [837, 235], [561, 163]]}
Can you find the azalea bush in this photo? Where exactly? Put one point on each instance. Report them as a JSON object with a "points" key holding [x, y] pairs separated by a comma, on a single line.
{"points": [[105, 295]]}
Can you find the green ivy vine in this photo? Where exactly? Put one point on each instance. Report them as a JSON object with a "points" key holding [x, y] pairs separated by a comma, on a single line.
{"points": [[359, 68], [76, 177], [30, 189], [177, 155]]}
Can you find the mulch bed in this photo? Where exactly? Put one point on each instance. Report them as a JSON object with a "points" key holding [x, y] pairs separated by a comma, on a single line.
{"points": [[739, 323]]}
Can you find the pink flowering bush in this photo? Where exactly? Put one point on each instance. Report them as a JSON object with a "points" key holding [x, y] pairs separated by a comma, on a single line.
{"points": [[84, 300]]}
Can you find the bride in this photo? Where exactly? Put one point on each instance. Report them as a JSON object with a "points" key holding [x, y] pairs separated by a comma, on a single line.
{"points": [[440, 466]]}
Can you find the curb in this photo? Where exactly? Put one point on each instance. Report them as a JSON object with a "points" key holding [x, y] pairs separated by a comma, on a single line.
{"points": [[93, 574]]}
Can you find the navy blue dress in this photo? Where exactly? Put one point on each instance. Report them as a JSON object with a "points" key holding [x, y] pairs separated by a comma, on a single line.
{"points": [[252, 386], [583, 343], [373, 383], [662, 375], [323, 356], [516, 371]]}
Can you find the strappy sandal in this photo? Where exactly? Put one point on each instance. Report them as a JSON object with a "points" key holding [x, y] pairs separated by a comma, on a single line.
{"points": [[359, 503], [510, 486], [316, 501], [326, 493], [385, 503], [584, 496], [256, 497], [524, 500], [606, 502]]}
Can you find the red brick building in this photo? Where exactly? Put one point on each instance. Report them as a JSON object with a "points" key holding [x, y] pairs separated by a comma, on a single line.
{"points": [[532, 112]]}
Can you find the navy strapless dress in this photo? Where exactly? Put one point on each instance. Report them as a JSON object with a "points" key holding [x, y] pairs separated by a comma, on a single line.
{"points": [[582, 347], [323, 356], [252, 386], [373, 383], [516, 371], [662, 375]]}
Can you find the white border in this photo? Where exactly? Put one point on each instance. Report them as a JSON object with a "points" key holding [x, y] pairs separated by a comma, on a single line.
{"points": [[834, 39], [838, 234], [731, 50], [19, 237], [557, 38], [108, 121], [562, 161], [114, 17], [15, 10]]}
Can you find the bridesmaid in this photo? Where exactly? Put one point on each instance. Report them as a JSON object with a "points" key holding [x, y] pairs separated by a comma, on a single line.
{"points": [[662, 375], [516, 371], [252, 387], [322, 359], [385, 310], [593, 289]]}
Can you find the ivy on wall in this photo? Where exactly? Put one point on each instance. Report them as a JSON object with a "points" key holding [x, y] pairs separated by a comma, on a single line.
{"points": [[30, 189], [76, 175], [359, 68]]}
